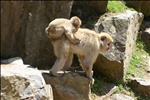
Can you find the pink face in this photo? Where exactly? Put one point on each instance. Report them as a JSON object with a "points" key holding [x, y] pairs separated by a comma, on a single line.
{"points": [[108, 46]]}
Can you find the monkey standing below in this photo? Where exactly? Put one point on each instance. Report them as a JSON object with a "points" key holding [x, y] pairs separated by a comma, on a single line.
{"points": [[88, 48]]}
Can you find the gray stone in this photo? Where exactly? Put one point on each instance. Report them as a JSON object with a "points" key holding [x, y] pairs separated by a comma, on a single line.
{"points": [[120, 97], [22, 82], [141, 86], [15, 60], [69, 86], [124, 28]]}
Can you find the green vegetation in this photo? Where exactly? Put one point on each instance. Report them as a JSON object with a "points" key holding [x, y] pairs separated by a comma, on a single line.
{"points": [[97, 89], [98, 84], [125, 90], [117, 6], [137, 60]]}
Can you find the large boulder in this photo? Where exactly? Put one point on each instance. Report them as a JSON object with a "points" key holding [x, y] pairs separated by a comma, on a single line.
{"points": [[22, 82], [141, 6], [23, 26], [124, 29], [69, 86], [141, 86]]}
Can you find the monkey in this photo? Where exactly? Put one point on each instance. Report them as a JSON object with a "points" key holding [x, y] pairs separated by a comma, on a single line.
{"points": [[87, 50], [60, 26]]}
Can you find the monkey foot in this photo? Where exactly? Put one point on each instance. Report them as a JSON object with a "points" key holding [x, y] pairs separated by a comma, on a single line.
{"points": [[92, 81], [54, 74]]}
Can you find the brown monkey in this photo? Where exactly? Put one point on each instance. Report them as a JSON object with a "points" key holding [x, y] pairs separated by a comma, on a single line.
{"points": [[91, 44], [60, 26]]}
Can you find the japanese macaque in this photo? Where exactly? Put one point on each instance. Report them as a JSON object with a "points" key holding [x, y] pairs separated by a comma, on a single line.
{"points": [[87, 50], [61, 26]]}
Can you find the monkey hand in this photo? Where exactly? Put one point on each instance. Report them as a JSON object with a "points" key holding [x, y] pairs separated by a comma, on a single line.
{"points": [[75, 40]]}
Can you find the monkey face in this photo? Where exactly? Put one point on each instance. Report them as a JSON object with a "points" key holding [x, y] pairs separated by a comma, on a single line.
{"points": [[106, 41]]}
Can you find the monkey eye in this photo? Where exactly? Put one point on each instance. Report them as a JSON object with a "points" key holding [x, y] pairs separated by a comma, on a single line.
{"points": [[103, 38]]}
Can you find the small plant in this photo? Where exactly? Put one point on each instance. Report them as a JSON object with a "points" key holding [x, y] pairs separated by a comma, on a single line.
{"points": [[117, 6], [137, 60], [125, 90], [98, 85], [98, 88]]}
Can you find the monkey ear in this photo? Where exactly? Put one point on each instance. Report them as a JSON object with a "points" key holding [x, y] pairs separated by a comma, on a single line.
{"points": [[76, 22], [103, 38]]}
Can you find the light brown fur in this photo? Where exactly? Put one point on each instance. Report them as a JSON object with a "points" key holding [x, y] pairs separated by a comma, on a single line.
{"points": [[60, 26], [90, 45]]}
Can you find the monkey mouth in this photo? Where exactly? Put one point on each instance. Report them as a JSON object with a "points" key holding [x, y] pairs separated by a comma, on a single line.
{"points": [[107, 49]]}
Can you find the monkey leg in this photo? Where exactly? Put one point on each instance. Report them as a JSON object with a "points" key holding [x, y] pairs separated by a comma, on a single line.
{"points": [[80, 58], [68, 61], [89, 74], [87, 66], [61, 50], [58, 65]]}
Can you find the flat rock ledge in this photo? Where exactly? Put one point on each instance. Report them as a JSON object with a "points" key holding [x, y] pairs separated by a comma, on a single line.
{"points": [[69, 86]]}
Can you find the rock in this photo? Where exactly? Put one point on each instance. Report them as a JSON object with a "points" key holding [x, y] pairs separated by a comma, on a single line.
{"points": [[145, 36], [124, 28], [141, 86], [85, 7], [120, 97], [15, 60], [89, 10], [22, 82], [70, 86], [23, 26], [141, 6], [108, 90]]}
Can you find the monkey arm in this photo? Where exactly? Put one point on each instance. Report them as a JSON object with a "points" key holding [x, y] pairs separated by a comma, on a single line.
{"points": [[72, 38]]}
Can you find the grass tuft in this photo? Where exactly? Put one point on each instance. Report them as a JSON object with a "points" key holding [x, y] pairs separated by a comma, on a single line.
{"points": [[117, 6], [98, 84]]}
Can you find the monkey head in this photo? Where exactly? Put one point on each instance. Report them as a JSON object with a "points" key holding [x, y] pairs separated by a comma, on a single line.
{"points": [[105, 41]]}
